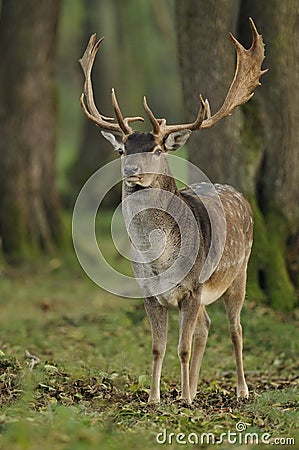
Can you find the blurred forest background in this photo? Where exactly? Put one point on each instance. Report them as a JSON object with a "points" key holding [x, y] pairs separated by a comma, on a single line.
{"points": [[170, 51]]}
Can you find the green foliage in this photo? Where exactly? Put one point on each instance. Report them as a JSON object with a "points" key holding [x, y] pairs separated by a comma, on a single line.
{"points": [[90, 389]]}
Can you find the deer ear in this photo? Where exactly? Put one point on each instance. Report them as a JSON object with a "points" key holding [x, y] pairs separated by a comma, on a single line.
{"points": [[114, 139], [176, 140]]}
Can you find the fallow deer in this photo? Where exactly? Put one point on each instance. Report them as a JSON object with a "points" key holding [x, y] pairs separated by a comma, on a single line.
{"points": [[145, 170]]}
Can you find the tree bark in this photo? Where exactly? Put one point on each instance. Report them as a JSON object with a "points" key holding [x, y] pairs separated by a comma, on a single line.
{"points": [[256, 149], [29, 207], [279, 175], [207, 60]]}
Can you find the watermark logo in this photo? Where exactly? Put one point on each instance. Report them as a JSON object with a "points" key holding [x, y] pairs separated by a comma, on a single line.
{"points": [[142, 248], [241, 426], [239, 436]]}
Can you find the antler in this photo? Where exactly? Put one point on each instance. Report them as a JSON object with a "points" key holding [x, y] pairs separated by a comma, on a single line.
{"points": [[247, 75], [91, 110], [246, 79]]}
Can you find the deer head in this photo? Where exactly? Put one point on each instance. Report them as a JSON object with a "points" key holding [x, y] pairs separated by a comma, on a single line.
{"points": [[164, 138]]}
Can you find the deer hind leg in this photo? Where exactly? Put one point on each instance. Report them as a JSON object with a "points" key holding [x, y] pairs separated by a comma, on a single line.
{"points": [[188, 314], [199, 344], [158, 317], [234, 299]]}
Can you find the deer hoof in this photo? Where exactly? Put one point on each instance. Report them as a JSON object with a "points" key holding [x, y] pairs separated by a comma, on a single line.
{"points": [[243, 392]]}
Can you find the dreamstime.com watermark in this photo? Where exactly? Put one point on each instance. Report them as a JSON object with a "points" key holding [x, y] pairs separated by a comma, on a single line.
{"points": [[237, 437]]}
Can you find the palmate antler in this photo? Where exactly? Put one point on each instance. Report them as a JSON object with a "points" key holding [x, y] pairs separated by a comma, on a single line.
{"points": [[246, 79], [247, 75]]}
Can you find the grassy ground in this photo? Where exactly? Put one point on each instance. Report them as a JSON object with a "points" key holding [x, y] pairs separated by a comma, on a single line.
{"points": [[89, 389]]}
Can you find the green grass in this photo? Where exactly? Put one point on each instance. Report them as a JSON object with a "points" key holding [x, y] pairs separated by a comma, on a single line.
{"points": [[90, 388]]}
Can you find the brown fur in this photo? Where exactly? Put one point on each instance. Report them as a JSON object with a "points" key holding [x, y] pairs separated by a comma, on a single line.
{"points": [[190, 296]]}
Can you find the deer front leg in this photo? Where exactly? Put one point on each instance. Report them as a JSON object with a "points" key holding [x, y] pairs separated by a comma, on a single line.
{"points": [[158, 317], [188, 314]]}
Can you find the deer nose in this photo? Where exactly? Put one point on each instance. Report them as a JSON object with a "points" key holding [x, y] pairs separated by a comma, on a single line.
{"points": [[130, 170]]}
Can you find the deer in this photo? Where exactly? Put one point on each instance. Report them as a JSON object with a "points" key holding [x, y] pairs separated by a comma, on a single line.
{"points": [[146, 172]]}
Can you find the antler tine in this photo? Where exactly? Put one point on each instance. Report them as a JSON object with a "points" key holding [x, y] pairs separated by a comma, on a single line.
{"points": [[119, 116], [208, 108], [203, 107], [152, 118], [123, 123], [161, 129], [246, 78]]}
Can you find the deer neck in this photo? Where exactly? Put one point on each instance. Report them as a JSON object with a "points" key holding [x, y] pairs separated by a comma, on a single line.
{"points": [[151, 202]]}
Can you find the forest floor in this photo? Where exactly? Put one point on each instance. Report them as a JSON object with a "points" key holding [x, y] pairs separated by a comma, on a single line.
{"points": [[88, 384]]}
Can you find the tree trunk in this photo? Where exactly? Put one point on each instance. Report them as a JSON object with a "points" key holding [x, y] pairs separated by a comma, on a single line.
{"points": [[277, 180], [28, 199], [207, 60], [256, 149], [94, 150]]}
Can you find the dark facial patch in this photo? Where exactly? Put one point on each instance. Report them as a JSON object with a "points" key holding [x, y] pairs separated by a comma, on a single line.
{"points": [[140, 143]]}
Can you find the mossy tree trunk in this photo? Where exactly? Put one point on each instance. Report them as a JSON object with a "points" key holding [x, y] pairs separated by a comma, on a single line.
{"points": [[256, 149], [29, 211]]}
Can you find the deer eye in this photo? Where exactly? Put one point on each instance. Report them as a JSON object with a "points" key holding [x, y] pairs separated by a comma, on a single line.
{"points": [[120, 151]]}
